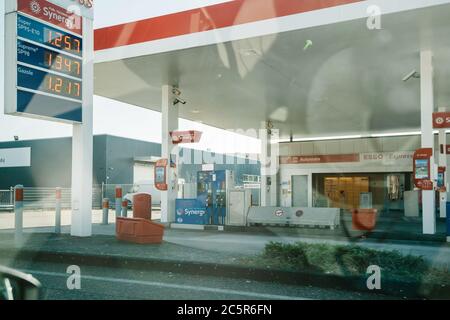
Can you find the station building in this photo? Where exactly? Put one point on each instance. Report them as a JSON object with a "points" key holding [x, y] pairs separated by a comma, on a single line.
{"points": [[341, 93]]}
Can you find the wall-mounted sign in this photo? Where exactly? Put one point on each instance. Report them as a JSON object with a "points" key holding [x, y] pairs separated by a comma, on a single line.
{"points": [[320, 159], [388, 158], [44, 62], [422, 169], [160, 178], [441, 120], [52, 14], [15, 158]]}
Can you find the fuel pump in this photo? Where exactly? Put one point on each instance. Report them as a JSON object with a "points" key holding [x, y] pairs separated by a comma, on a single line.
{"points": [[212, 190]]}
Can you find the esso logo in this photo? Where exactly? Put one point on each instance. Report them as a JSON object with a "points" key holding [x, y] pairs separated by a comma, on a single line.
{"points": [[440, 120], [279, 213]]}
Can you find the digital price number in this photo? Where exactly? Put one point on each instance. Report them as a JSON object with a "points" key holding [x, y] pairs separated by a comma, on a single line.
{"points": [[62, 41], [64, 86], [62, 64]]}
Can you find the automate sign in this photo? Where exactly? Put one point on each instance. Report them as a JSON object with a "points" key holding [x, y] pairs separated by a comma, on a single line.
{"points": [[320, 159], [44, 62]]}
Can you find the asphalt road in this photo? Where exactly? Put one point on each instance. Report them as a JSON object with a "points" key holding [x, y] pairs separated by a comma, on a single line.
{"points": [[100, 283]]}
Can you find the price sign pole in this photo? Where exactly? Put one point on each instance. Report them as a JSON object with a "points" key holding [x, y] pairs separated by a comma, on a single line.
{"points": [[49, 53]]}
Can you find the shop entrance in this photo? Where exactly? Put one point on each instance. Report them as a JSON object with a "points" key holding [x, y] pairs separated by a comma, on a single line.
{"points": [[300, 191], [344, 192]]}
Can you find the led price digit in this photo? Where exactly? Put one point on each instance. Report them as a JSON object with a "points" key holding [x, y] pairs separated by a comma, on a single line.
{"points": [[62, 86], [61, 63], [62, 41]]}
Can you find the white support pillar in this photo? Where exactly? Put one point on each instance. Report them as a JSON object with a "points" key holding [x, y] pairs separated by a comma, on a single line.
{"points": [[443, 163], [427, 109], [169, 123], [269, 160], [82, 145]]}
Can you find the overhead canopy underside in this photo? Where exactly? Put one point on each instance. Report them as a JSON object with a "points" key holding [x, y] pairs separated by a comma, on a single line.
{"points": [[348, 82]]}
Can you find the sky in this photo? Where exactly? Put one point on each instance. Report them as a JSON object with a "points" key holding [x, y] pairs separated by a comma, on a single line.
{"points": [[142, 124]]}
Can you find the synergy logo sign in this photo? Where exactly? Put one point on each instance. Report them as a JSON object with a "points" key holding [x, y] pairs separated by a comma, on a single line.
{"points": [[48, 12], [192, 212]]}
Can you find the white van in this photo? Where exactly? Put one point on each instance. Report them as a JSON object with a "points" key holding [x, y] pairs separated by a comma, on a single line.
{"points": [[148, 187]]}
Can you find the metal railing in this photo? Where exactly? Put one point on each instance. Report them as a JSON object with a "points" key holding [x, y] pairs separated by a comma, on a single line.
{"points": [[6, 199], [45, 198]]}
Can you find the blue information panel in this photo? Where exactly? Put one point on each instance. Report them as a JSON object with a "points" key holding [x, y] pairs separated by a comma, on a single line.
{"points": [[191, 211], [34, 103], [48, 59], [49, 70], [34, 79], [33, 30]]}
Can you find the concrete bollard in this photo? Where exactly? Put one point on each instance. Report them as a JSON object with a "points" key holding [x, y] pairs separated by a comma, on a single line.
{"points": [[18, 215], [124, 208], [58, 211], [118, 201], [105, 207]]}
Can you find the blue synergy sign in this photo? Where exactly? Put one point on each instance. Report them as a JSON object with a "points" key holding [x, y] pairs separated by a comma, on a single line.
{"points": [[49, 70], [191, 211]]}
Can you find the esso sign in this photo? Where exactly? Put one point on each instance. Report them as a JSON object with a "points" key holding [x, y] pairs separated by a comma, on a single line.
{"points": [[441, 120]]}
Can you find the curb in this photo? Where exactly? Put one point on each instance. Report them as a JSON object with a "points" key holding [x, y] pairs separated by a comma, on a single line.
{"points": [[391, 288]]}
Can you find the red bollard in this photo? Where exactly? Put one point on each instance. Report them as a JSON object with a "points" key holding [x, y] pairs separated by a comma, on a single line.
{"points": [[118, 200], [124, 209]]}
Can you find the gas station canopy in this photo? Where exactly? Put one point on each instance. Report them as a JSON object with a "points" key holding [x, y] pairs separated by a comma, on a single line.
{"points": [[348, 82]]}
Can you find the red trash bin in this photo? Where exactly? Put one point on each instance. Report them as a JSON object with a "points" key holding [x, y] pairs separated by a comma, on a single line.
{"points": [[364, 219], [142, 206], [141, 231]]}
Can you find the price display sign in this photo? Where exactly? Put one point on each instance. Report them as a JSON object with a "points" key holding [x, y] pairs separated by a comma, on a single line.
{"points": [[44, 62]]}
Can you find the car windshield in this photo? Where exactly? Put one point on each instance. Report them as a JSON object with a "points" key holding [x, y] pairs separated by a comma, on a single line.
{"points": [[225, 151]]}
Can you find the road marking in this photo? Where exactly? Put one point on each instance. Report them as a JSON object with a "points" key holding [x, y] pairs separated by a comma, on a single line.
{"points": [[171, 286]]}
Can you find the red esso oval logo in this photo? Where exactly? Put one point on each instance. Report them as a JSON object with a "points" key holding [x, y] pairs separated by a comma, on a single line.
{"points": [[440, 120]]}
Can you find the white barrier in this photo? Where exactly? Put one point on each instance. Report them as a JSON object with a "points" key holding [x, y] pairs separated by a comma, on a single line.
{"points": [[312, 217]]}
